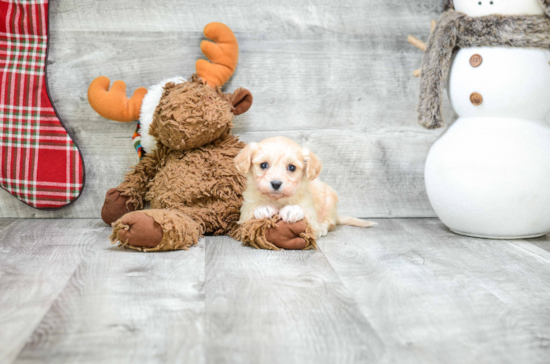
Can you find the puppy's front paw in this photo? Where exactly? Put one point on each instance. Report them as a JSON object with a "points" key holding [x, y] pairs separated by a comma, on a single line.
{"points": [[265, 212], [323, 230], [291, 213]]}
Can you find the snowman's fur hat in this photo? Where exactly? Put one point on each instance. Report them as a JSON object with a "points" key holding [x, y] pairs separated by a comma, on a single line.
{"points": [[546, 5], [457, 30], [448, 5]]}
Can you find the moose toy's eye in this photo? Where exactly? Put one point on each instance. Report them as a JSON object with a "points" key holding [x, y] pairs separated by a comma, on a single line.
{"points": [[291, 167], [264, 165]]}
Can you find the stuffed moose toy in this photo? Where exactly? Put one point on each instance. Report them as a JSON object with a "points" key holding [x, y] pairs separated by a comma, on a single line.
{"points": [[187, 174]]}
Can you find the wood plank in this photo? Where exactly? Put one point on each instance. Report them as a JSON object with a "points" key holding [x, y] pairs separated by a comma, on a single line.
{"points": [[437, 297], [352, 16], [123, 306], [37, 259], [542, 243], [280, 307], [336, 77]]}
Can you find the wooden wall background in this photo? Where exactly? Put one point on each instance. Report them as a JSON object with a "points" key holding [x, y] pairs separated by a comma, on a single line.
{"points": [[335, 76]]}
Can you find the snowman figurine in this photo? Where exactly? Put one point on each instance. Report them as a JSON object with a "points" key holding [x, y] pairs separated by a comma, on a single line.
{"points": [[488, 175]]}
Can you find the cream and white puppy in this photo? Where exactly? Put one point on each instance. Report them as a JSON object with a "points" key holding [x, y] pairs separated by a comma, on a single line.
{"points": [[282, 179]]}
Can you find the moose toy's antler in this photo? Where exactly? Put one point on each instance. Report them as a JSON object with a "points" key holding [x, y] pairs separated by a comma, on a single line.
{"points": [[223, 54], [113, 104], [420, 45]]}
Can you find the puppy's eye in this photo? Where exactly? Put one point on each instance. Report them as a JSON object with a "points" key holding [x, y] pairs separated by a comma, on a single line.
{"points": [[291, 167], [264, 165]]}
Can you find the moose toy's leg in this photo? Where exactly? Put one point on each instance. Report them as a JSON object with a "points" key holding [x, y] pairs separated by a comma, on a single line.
{"points": [[156, 230], [130, 194], [291, 236], [275, 234], [115, 206]]}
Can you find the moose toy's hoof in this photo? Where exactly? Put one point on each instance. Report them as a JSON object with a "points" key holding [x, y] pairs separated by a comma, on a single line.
{"points": [[287, 235], [139, 230], [115, 206], [275, 234]]}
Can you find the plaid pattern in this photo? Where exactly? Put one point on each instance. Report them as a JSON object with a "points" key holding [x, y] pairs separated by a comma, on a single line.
{"points": [[39, 163]]}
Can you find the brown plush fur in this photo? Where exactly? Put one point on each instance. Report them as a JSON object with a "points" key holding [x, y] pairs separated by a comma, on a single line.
{"points": [[190, 179], [190, 115], [253, 233], [179, 231], [457, 30]]}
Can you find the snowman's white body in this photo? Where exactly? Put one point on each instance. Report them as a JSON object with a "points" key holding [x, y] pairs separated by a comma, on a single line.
{"points": [[489, 173]]}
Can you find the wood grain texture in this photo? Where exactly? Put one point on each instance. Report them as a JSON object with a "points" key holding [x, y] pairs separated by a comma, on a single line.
{"points": [[408, 291], [436, 297], [543, 242], [123, 306], [335, 76], [37, 259], [280, 307]]}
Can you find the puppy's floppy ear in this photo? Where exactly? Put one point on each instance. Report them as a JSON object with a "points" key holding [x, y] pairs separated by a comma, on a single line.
{"points": [[244, 159], [313, 164]]}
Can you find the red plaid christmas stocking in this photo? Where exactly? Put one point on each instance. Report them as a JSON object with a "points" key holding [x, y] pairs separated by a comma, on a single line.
{"points": [[39, 162]]}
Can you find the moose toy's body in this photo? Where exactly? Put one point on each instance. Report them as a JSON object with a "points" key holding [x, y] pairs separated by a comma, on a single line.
{"points": [[188, 178], [188, 175]]}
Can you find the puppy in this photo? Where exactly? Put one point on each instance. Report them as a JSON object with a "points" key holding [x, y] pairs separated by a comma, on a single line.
{"points": [[282, 179]]}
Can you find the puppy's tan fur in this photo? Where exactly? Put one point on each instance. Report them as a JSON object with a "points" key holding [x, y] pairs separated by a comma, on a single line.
{"points": [[301, 194]]}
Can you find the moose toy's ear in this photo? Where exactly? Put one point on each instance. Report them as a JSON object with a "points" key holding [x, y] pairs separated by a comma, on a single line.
{"points": [[244, 159], [242, 100]]}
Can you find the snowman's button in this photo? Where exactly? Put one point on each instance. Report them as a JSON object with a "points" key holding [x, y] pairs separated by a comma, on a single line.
{"points": [[476, 60], [476, 98]]}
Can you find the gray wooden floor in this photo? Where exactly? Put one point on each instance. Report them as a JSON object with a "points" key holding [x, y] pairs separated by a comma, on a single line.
{"points": [[408, 291]]}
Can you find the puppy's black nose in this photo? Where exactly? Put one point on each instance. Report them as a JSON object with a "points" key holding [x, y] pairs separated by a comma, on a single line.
{"points": [[276, 184]]}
